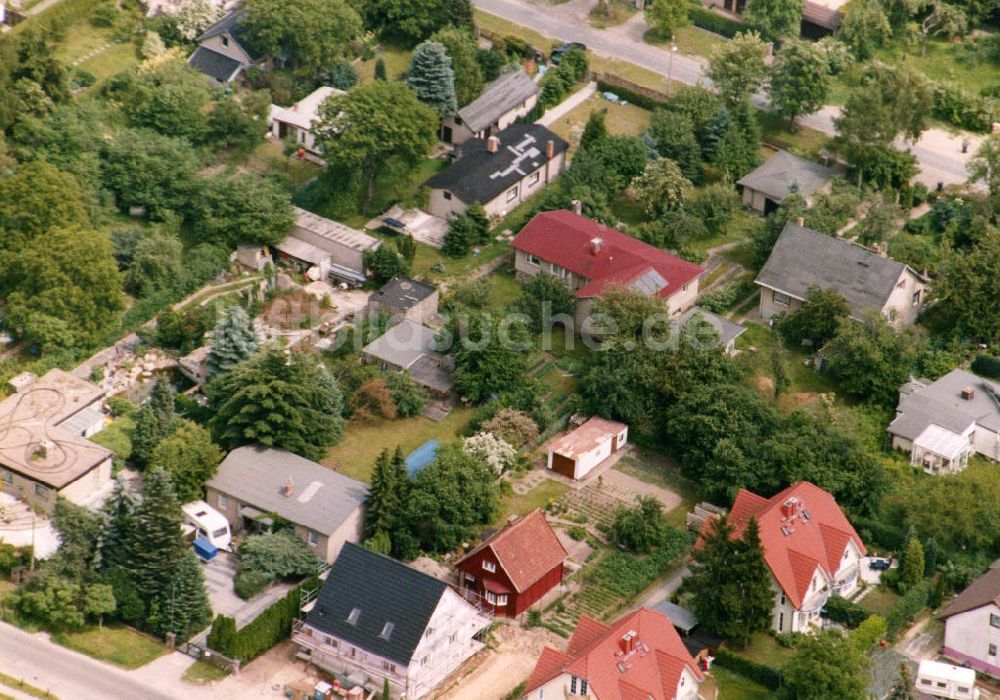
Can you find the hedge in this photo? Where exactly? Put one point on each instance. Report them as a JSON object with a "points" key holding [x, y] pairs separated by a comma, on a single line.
{"points": [[269, 628], [901, 614], [765, 675], [633, 97], [716, 23], [845, 612], [987, 366]]}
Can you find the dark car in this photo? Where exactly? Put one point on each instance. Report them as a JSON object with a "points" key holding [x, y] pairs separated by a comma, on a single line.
{"points": [[558, 51], [880, 564]]}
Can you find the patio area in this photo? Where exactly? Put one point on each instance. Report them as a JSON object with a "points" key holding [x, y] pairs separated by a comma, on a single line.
{"points": [[417, 223]]}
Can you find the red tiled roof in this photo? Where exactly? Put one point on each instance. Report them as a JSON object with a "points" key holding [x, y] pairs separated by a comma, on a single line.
{"points": [[818, 541], [651, 672], [566, 239], [526, 550]]}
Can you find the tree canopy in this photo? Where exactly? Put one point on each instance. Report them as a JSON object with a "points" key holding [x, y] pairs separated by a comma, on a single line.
{"points": [[314, 32], [737, 66]]}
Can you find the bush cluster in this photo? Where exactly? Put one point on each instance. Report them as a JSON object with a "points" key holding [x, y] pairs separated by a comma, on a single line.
{"points": [[845, 612], [766, 676], [906, 608], [987, 366], [557, 82], [714, 22]]}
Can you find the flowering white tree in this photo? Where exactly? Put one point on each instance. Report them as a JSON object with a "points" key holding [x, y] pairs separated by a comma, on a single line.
{"points": [[495, 452], [195, 16]]}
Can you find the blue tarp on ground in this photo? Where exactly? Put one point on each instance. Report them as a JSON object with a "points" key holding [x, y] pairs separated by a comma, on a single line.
{"points": [[421, 457], [205, 549]]}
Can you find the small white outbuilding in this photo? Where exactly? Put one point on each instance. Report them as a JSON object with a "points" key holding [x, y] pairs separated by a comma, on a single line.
{"points": [[579, 451]]}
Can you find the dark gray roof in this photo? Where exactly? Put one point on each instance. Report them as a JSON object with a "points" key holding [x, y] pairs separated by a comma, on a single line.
{"points": [[777, 176], [728, 330], [383, 590], [985, 590], [233, 24], [214, 64], [479, 176], [402, 344], [321, 499], [803, 258], [941, 403], [403, 293], [430, 371], [505, 93], [682, 618]]}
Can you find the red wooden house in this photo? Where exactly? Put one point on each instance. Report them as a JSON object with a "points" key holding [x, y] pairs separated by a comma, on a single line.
{"points": [[515, 567]]}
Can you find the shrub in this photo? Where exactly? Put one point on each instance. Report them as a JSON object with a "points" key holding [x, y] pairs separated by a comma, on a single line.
{"points": [[716, 23], [987, 366], [845, 612], [119, 406], [721, 300], [881, 534], [906, 609], [12, 556], [762, 674], [277, 554], [577, 533], [249, 583], [512, 426]]}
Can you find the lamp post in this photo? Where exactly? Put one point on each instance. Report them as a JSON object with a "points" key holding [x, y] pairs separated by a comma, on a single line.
{"points": [[670, 70]]}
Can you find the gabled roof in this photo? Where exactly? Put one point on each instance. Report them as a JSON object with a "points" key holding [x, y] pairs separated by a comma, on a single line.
{"points": [[728, 330], [321, 499], [504, 94], [596, 431], [803, 258], [814, 535], [233, 25], [784, 173], [382, 591], [214, 64], [940, 403], [603, 255], [480, 176], [651, 672], [526, 550], [403, 344], [304, 112], [985, 590]]}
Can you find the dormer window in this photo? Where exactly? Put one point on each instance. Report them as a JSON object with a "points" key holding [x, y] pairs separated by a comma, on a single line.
{"points": [[225, 40]]}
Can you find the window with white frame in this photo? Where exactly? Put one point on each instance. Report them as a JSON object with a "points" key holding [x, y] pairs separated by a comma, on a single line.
{"points": [[512, 193], [489, 566], [470, 578], [313, 539], [491, 598], [501, 600], [533, 179], [781, 299], [223, 501], [994, 620], [532, 259]]}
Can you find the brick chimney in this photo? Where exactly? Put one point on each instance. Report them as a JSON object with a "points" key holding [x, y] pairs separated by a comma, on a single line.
{"points": [[790, 507], [596, 245], [550, 149], [492, 144], [968, 393], [288, 488], [627, 643]]}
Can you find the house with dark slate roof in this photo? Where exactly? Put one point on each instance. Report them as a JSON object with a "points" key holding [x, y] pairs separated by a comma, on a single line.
{"points": [[803, 259], [377, 619], [223, 50], [972, 625], [501, 103], [765, 188], [499, 171]]}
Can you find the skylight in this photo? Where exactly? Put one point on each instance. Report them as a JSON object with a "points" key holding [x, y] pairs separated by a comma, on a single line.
{"points": [[352, 619], [387, 631]]}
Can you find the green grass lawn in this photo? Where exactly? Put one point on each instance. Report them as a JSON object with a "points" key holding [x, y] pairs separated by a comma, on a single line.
{"points": [[740, 228], [121, 646], [355, 455], [802, 141], [803, 379], [116, 59], [81, 38], [959, 62], [504, 290], [269, 158], [396, 58], [879, 600], [690, 40], [735, 687], [117, 437], [764, 650], [522, 504], [655, 469], [201, 673], [618, 13], [20, 686], [624, 120]]}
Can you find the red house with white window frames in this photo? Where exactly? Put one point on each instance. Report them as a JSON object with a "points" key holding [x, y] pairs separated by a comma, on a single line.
{"points": [[515, 567]]}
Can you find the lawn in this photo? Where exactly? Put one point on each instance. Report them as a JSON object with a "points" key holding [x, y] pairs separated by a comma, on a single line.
{"points": [[803, 379], [81, 38], [879, 600], [20, 686], [504, 289], [657, 470], [355, 455], [201, 673], [618, 13], [764, 650], [117, 437], [522, 504], [802, 141], [121, 646], [396, 58], [690, 40], [740, 228], [269, 158], [962, 63], [733, 686], [114, 60], [624, 120]]}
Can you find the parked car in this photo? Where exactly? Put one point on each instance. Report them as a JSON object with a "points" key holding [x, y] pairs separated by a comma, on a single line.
{"points": [[558, 51], [880, 564]]}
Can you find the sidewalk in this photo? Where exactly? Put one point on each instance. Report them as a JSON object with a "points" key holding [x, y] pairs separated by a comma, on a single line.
{"points": [[567, 105]]}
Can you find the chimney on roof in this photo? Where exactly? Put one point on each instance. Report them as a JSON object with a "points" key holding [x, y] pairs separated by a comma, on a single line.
{"points": [[800, 221], [968, 393], [550, 149], [627, 642], [492, 144], [511, 519], [576, 206], [790, 507], [596, 245], [288, 488]]}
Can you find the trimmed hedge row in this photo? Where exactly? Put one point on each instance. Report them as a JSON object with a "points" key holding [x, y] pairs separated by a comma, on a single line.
{"points": [[987, 366], [636, 98], [845, 612], [901, 614], [765, 675], [713, 22]]}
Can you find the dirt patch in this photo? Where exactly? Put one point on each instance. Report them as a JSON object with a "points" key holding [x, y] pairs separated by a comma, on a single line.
{"points": [[498, 671], [626, 488], [431, 568], [806, 399], [297, 309], [765, 385]]}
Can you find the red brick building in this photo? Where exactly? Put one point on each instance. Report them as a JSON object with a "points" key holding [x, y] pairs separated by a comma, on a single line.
{"points": [[515, 567]]}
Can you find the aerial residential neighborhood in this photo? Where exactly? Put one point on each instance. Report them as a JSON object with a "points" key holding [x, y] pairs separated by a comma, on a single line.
{"points": [[500, 349]]}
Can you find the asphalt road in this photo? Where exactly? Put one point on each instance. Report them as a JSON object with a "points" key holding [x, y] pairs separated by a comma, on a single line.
{"points": [[48, 666]]}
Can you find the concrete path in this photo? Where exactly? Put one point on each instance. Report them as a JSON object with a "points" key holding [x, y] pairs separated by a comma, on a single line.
{"points": [[664, 590], [938, 152], [568, 105]]}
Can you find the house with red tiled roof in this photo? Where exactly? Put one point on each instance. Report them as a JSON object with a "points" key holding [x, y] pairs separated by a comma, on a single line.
{"points": [[811, 549], [515, 567], [591, 257], [639, 657]]}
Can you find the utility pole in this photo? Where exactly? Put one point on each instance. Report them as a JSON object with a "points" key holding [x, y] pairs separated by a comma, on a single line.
{"points": [[670, 70]]}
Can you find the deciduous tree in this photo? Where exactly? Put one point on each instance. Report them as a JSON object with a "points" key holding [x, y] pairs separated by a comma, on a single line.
{"points": [[190, 457], [460, 45], [661, 187], [826, 665], [800, 80], [145, 169], [737, 66], [775, 19], [243, 209], [545, 296], [667, 16], [99, 600], [865, 29], [315, 32], [817, 320]]}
